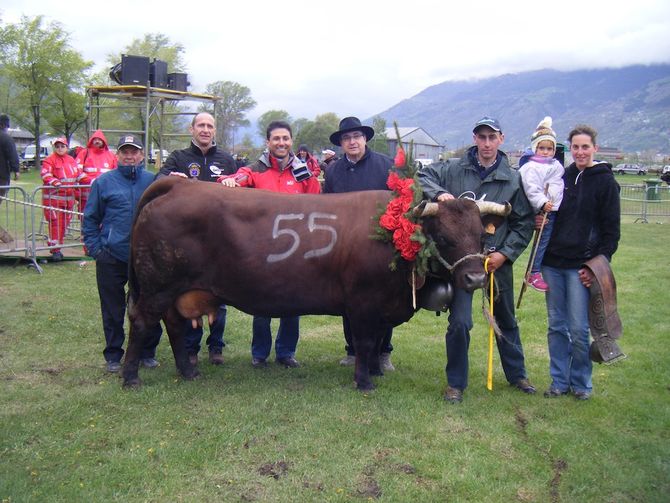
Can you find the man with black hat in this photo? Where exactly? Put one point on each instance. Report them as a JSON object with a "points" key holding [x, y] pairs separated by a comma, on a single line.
{"points": [[108, 219], [484, 173], [359, 169]]}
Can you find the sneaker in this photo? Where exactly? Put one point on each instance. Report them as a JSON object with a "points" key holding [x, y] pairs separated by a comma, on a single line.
{"points": [[56, 256], [348, 361], [525, 386], [288, 362], [536, 281], [113, 367], [150, 363], [258, 363], [453, 395], [385, 362], [554, 393], [215, 358], [582, 395]]}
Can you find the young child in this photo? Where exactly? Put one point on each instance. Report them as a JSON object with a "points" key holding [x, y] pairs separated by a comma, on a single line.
{"points": [[542, 178]]}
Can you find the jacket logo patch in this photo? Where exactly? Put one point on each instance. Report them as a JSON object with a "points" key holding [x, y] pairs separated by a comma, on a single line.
{"points": [[215, 169], [194, 170]]}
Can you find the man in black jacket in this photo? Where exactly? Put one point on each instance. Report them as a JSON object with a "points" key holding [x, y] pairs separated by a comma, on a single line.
{"points": [[358, 169], [203, 161], [9, 162]]}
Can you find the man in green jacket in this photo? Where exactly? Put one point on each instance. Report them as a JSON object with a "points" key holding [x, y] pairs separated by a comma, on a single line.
{"points": [[484, 172]]}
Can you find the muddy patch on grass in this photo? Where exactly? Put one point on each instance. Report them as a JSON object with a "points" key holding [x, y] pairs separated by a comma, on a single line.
{"points": [[521, 422], [559, 466], [274, 470], [368, 488]]}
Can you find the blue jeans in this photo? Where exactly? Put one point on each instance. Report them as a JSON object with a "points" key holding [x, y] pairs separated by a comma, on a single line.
{"points": [[568, 334], [287, 337], [215, 339], [544, 241], [460, 323]]}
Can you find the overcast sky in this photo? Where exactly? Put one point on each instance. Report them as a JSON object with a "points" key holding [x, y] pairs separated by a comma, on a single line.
{"points": [[362, 57]]}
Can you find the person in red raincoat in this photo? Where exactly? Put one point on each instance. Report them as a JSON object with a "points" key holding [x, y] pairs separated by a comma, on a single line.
{"points": [[94, 160], [59, 172]]}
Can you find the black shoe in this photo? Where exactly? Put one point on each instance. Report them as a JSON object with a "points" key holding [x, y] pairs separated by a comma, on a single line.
{"points": [[258, 363], [525, 386], [288, 362], [582, 395], [56, 256], [554, 393], [453, 395], [113, 367]]}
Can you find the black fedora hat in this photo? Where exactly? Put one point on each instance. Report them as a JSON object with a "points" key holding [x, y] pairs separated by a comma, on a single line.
{"points": [[351, 124]]}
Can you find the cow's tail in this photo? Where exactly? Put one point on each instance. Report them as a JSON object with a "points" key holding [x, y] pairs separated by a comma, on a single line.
{"points": [[157, 189]]}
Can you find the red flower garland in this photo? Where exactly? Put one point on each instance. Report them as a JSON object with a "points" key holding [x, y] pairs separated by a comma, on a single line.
{"points": [[394, 219]]}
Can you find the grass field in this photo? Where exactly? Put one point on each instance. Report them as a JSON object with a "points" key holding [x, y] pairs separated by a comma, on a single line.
{"points": [[70, 433]]}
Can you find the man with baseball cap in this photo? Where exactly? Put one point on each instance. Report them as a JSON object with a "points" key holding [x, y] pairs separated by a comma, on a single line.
{"points": [[358, 169], [484, 172], [108, 218]]}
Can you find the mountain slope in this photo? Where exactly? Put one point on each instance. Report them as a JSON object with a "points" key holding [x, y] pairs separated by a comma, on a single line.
{"points": [[630, 107]]}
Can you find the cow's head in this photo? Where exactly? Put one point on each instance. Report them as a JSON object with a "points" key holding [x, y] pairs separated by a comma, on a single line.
{"points": [[456, 228]]}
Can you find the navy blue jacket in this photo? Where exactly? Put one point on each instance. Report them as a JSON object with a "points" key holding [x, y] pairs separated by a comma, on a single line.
{"points": [[109, 211], [370, 173], [193, 163]]}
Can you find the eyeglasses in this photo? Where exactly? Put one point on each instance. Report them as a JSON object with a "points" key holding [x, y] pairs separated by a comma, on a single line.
{"points": [[348, 137]]}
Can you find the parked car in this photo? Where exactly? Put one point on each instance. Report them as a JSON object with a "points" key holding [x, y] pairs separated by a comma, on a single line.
{"points": [[29, 154], [631, 169]]}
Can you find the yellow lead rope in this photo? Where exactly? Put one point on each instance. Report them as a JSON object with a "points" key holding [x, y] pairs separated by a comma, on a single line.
{"points": [[489, 375]]}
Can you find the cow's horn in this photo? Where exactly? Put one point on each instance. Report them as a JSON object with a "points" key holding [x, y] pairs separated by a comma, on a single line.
{"points": [[491, 208], [429, 210]]}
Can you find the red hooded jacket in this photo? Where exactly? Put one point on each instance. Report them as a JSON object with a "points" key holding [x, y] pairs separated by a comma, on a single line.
{"points": [[95, 161], [59, 171]]}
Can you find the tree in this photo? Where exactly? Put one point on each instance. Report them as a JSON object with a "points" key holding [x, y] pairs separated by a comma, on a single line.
{"points": [[66, 111], [264, 120], [230, 110], [31, 51], [380, 141], [316, 134]]}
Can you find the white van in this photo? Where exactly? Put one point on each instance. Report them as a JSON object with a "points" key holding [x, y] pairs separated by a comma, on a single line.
{"points": [[29, 153]]}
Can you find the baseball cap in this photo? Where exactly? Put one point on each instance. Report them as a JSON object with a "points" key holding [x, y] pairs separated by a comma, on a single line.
{"points": [[130, 139], [61, 139], [487, 121]]}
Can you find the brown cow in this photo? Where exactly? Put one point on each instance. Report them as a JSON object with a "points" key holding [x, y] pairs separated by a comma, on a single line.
{"points": [[196, 246]]}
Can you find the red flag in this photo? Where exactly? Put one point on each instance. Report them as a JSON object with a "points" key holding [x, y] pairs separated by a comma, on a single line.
{"points": [[400, 160]]}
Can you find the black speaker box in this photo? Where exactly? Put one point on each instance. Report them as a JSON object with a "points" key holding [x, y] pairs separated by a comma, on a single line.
{"points": [[178, 81], [158, 73], [134, 70]]}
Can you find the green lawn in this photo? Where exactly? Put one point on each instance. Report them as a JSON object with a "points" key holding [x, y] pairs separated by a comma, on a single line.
{"points": [[70, 433]]}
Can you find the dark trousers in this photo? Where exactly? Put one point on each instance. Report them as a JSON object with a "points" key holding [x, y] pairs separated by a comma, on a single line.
{"points": [[460, 324], [285, 343], [349, 348], [214, 341], [112, 276]]}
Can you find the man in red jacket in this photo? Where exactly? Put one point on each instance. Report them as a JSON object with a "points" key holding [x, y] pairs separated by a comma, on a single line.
{"points": [[278, 170], [59, 171]]}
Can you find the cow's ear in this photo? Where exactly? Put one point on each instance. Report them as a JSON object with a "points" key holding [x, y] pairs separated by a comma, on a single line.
{"points": [[492, 222]]}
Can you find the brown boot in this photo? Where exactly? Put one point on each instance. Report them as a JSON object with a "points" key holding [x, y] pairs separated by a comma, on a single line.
{"points": [[215, 358]]}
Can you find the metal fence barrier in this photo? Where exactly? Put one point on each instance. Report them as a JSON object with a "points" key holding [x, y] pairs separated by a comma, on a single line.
{"points": [[40, 222], [645, 201]]}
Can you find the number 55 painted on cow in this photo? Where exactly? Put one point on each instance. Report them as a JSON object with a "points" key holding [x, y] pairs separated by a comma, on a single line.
{"points": [[312, 226]]}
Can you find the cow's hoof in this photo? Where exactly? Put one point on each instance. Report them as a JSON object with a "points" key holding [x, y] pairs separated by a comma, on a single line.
{"points": [[365, 387], [132, 383], [191, 374]]}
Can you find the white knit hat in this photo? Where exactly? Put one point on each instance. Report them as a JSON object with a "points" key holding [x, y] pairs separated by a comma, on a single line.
{"points": [[543, 132]]}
